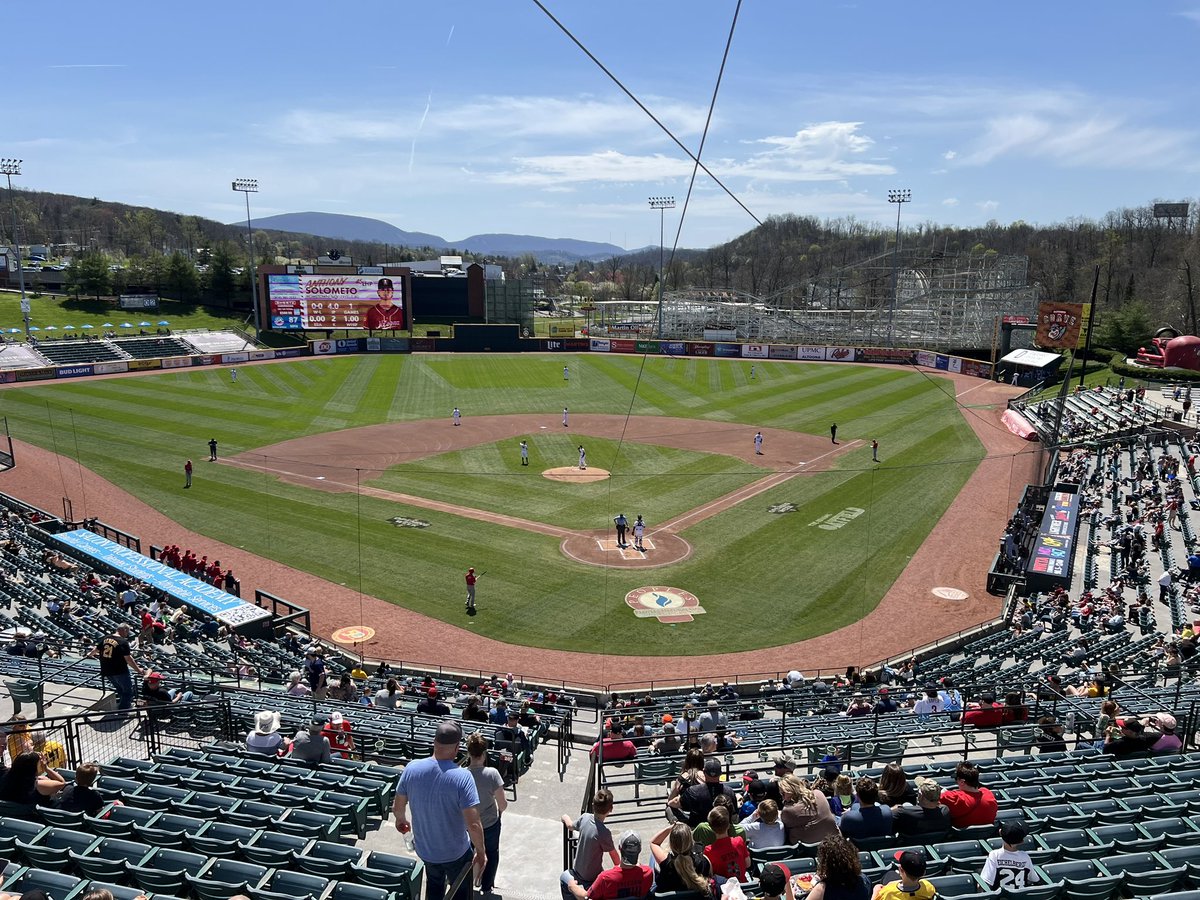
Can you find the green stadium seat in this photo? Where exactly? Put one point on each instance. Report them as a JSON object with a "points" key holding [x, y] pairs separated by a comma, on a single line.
{"points": [[1145, 874], [56, 884]]}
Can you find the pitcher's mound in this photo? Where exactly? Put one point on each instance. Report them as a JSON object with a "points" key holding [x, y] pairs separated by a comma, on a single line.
{"points": [[575, 475]]}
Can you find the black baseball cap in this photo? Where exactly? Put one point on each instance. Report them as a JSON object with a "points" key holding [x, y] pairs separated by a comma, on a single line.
{"points": [[448, 734], [385, 284]]}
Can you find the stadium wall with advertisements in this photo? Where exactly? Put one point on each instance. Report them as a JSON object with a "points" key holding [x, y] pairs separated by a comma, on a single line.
{"points": [[490, 338]]}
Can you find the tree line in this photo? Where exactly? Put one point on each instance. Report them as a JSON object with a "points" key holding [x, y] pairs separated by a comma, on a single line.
{"points": [[1148, 267]]}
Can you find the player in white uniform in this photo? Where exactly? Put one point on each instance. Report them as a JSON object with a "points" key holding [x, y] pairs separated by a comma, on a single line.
{"points": [[457, 416], [582, 457]]}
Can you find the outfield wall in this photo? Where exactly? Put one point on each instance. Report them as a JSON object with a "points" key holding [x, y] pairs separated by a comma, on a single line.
{"points": [[506, 343]]}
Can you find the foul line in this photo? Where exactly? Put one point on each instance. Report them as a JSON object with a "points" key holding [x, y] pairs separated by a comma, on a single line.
{"points": [[465, 512], [733, 498]]}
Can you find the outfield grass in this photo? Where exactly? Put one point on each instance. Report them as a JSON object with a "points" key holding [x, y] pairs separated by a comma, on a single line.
{"points": [[749, 565]]}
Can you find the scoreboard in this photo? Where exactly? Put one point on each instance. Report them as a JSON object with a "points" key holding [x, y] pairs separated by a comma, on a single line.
{"points": [[301, 301]]}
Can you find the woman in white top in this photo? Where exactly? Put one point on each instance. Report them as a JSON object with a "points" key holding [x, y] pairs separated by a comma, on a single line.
{"points": [[388, 697], [265, 737]]}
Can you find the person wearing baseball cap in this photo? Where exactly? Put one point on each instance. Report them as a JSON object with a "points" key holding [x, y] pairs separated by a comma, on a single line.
{"points": [[386, 314], [630, 879], [1010, 866], [445, 810]]}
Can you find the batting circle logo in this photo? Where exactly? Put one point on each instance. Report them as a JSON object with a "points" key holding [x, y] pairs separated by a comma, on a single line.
{"points": [[667, 604]]}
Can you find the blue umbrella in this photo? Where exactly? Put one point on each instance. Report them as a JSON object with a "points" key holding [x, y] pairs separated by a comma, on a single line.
{"points": [[68, 328], [164, 322], [107, 325], [52, 328], [126, 325], [143, 324], [87, 326], [14, 331], [35, 328]]}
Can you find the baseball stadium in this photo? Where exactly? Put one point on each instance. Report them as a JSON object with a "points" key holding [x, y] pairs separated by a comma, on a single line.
{"points": [[837, 559]]}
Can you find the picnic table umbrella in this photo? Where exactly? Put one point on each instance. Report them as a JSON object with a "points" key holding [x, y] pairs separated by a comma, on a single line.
{"points": [[126, 324], [14, 331], [163, 322], [68, 328], [34, 328], [52, 328], [143, 324], [108, 325], [87, 326]]}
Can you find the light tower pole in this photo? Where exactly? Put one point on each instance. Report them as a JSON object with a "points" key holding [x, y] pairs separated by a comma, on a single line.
{"points": [[899, 197], [249, 186], [11, 167], [662, 204]]}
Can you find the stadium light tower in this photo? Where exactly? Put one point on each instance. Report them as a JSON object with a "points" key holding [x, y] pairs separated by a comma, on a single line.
{"points": [[899, 197], [11, 167], [249, 186], [662, 204]]}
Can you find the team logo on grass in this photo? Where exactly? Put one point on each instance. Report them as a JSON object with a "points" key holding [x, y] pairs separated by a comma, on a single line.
{"points": [[834, 521], [780, 508], [406, 522], [667, 604]]}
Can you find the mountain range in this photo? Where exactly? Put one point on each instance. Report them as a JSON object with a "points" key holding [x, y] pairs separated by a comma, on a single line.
{"points": [[360, 228]]}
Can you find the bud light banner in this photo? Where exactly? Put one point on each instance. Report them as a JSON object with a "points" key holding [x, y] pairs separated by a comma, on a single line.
{"points": [[729, 350], [754, 351], [780, 351]]}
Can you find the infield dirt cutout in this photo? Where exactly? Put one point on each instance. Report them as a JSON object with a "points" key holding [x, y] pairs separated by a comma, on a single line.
{"points": [[341, 461]]}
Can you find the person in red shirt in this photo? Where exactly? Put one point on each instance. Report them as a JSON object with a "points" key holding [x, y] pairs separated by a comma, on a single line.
{"points": [[630, 879], [616, 746], [969, 804], [987, 713], [340, 734], [727, 854]]}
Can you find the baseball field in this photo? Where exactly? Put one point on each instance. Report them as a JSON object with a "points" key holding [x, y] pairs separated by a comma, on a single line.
{"points": [[351, 469]]}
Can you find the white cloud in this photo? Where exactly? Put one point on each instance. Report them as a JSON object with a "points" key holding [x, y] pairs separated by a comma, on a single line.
{"points": [[1193, 14], [1105, 141], [988, 206], [950, 154], [950, 201], [821, 152], [524, 117]]}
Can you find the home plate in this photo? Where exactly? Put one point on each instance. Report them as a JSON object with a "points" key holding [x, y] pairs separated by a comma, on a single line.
{"points": [[949, 593]]}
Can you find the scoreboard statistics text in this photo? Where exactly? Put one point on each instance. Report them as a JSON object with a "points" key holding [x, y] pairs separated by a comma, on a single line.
{"points": [[302, 301]]}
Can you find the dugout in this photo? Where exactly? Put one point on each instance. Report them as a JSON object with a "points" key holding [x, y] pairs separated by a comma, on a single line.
{"points": [[1028, 367]]}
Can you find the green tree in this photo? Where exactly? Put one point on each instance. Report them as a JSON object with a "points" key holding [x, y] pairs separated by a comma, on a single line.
{"points": [[1127, 328], [89, 275], [220, 271], [182, 280]]}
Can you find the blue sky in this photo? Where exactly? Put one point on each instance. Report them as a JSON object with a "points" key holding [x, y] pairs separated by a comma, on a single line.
{"points": [[466, 117]]}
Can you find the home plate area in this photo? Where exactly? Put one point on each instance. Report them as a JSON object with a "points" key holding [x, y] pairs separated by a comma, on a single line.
{"points": [[609, 545]]}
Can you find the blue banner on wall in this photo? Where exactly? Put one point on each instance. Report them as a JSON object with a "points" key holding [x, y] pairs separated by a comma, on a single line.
{"points": [[195, 593]]}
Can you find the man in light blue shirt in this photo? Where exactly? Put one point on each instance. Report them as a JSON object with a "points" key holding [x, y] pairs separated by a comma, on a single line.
{"points": [[445, 810]]}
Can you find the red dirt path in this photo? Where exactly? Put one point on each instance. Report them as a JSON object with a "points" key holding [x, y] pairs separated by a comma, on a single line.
{"points": [[955, 555]]}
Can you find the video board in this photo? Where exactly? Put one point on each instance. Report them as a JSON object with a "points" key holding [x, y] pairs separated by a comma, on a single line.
{"points": [[301, 301]]}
